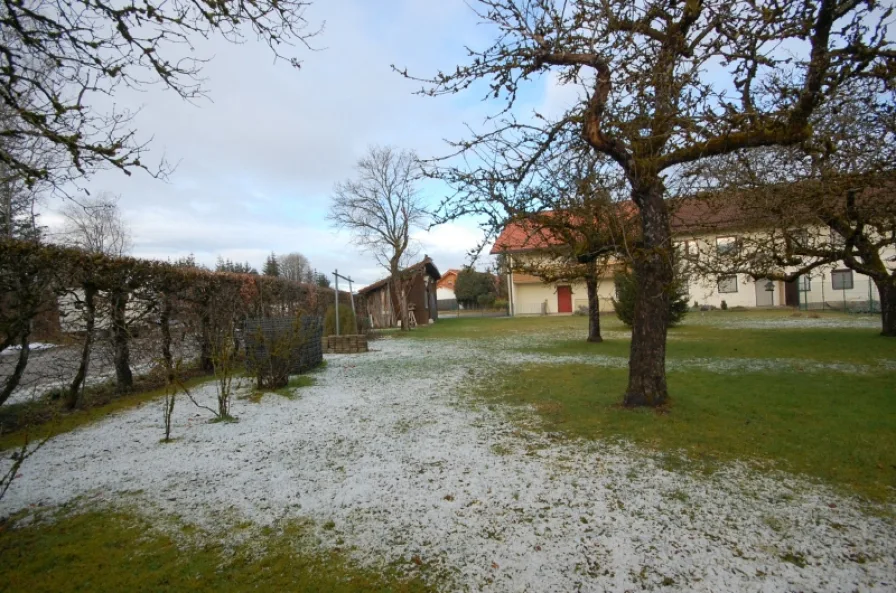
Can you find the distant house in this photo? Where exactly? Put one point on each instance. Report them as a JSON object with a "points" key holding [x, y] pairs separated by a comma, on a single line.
{"points": [[384, 307], [698, 228], [445, 285]]}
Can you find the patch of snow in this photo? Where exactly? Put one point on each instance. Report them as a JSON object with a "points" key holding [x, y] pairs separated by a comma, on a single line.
{"points": [[26, 393], [387, 447], [737, 322], [33, 346]]}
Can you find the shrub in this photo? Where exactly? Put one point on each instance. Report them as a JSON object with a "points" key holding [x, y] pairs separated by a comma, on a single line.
{"points": [[501, 304], [724, 306], [346, 320], [626, 291], [486, 300], [470, 285]]}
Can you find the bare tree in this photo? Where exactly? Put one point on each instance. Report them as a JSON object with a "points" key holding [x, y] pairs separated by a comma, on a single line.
{"points": [[828, 200], [662, 84], [58, 58], [380, 207], [571, 217], [295, 266], [96, 226]]}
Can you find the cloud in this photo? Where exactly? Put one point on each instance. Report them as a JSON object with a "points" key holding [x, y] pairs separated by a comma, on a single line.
{"points": [[257, 160]]}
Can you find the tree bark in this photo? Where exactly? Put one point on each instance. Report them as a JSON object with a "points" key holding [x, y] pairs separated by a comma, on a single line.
{"points": [[398, 294], [12, 381], [593, 308], [74, 390], [887, 291], [121, 352], [653, 274], [205, 344], [165, 326]]}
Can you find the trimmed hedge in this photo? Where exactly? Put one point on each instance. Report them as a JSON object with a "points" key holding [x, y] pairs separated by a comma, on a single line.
{"points": [[186, 303]]}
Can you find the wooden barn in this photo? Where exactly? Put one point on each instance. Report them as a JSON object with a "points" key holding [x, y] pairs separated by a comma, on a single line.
{"points": [[384, 307]]}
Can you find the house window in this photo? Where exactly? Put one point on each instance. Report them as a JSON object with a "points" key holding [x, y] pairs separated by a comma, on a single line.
{"points": [[841, 279], [805, 284], [726, 245], [687, 249], [727, 284]]}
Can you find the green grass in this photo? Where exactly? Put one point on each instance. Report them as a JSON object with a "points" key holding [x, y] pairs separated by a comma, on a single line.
{"points": [[707, 339], [114, 552], [289, 391], [837, 345], [840, 428], [61, 421], [836, 426], [471, 328]]}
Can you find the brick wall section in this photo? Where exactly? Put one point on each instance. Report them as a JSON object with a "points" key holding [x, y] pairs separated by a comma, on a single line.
{"points": [[351, 344]]}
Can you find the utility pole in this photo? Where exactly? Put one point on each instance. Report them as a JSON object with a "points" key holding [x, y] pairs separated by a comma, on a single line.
{"points": [[351, 295], [336, 292]]}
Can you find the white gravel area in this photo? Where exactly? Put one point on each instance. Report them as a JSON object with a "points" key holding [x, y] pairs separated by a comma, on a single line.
{"points": [[387, 448]]}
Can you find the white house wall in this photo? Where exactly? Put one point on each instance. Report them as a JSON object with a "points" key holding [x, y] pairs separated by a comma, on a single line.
{"points": [[704, 290], [528, 297], [71, 318]]}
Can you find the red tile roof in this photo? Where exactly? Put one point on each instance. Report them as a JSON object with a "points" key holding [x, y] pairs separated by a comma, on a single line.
{"points": [[448, 278], [720, 212]]}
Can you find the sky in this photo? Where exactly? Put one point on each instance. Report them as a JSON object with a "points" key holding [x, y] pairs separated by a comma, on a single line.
{"points": [[257, 160]]}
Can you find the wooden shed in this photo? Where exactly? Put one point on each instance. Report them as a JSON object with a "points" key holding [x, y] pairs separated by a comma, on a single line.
{"points": [[384, 307]]}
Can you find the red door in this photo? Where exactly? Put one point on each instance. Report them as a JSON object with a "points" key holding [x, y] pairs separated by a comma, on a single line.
{"points": [[564, 299]]}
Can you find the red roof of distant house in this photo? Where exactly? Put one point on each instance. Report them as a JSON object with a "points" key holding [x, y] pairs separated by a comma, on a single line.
{"points": [[686, 215], [711, 212], [448, 278]]}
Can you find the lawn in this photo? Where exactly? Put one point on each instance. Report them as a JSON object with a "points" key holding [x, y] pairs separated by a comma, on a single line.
{"points": [[819, 401], [405, 469], [116, 551]]}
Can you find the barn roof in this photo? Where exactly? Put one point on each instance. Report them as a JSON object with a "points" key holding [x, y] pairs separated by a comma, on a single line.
{"points": [[425, 266]]}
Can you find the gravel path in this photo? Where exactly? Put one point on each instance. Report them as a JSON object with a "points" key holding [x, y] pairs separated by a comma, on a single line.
{"points": [[385, 455]]}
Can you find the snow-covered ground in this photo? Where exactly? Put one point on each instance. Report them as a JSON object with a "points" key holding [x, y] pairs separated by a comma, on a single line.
{"points": [[14, 349], [802, 320], [390, 458]]}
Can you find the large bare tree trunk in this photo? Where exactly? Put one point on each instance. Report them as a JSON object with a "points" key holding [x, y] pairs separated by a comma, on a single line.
{"points": [[121, 352], [13, 380], [74, 390], [887, 290], [398, 293], [653, 274], [593, 308]]}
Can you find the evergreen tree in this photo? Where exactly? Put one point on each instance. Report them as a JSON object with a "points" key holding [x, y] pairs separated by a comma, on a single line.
{"points": [[627, 292], [271, 266]]}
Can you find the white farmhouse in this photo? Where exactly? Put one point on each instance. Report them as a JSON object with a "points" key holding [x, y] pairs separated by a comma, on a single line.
{"points": [[697, 234]]}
